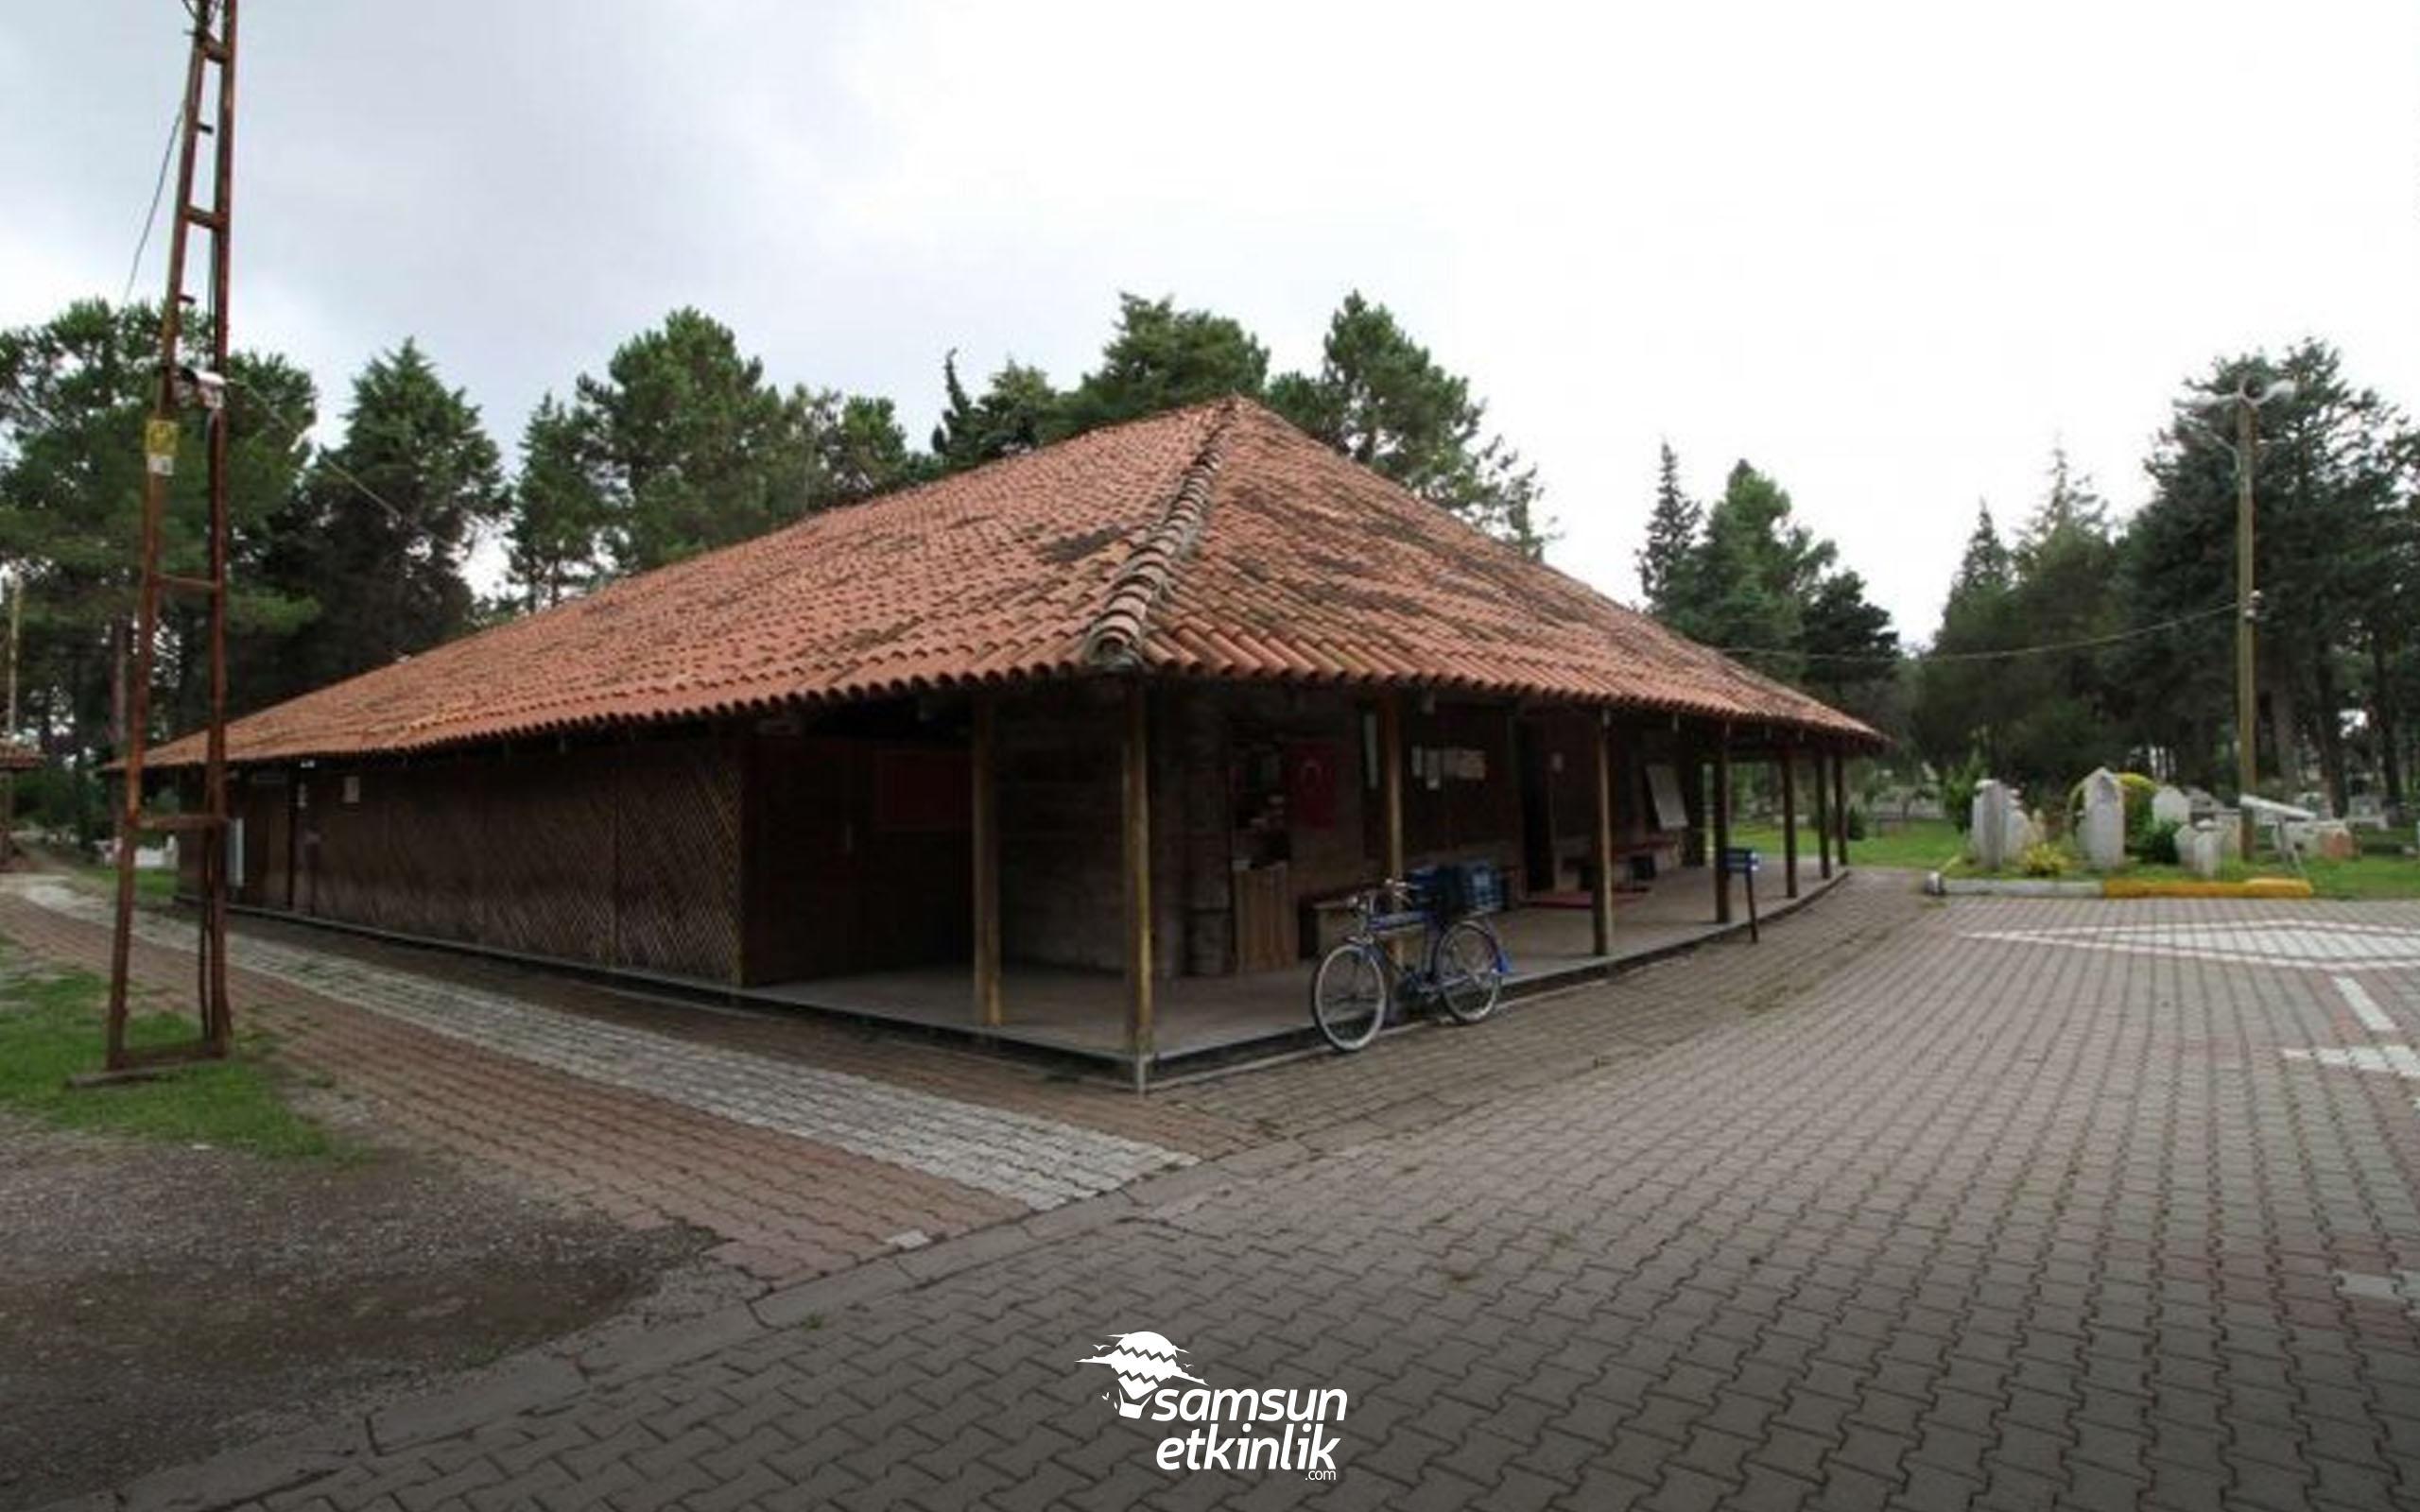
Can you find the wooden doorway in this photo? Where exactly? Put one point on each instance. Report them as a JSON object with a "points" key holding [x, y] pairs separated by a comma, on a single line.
{"points": [[1537, 767]]}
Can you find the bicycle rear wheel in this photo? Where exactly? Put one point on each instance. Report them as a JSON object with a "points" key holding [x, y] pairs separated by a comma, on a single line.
{"points": [[1468, 969], [1349, 997]]}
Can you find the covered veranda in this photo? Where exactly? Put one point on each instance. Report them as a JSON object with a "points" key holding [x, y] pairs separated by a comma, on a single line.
{"points": [[1147, 1022], [1204, 1023]]}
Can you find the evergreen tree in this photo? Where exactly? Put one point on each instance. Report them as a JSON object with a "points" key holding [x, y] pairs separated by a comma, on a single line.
{"points": [[1383, 401], [1673, 530], [1848, 648], [554, 544], [74, 394], [695, 449], [382, 523], [1986, 566], [1018, 412], [1753, 576], [1162, 358], [860, 450], [1993, 690], [2331, 482]]}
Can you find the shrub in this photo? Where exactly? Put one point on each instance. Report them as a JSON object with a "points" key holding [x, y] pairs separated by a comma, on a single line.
{"points": [[1958, 786], [2137, 790], [69, 801], [1857, 821], [2045, 860], [2157, 843]]}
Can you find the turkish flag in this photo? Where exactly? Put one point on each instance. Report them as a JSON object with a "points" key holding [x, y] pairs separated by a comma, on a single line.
{"points": [[1312, 767]]}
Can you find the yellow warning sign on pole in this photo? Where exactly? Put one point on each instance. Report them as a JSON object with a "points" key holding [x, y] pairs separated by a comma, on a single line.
{"points": [[160, 446]]}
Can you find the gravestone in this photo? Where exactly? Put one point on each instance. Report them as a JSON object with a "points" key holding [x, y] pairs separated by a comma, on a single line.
{"points": [[2333, 840], [2202, 849], [2103, 831], [1997, 832], [2171, 805]]}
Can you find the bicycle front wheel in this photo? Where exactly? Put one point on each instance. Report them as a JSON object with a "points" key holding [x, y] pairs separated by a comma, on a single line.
{"points": [[1349, 997], [1469, 970]]}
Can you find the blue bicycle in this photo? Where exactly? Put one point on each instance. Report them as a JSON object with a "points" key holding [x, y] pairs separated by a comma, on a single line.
{"points": [[1461, 967]]}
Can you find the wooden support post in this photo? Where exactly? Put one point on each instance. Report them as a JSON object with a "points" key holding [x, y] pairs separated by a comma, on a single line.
{"points": [[1693, 815], [1840, 806], [1789, 821], [1390, 779], [1135, 801], [1718, 845], [1391, 803], [983, 762], [1600, 894], [1823, 819]]}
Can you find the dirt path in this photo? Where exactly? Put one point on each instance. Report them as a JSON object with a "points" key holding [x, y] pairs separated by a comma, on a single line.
{"points": [[160, 1302]]}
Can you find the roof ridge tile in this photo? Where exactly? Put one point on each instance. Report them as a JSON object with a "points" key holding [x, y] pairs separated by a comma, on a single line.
{"points": [[1115, 640]]}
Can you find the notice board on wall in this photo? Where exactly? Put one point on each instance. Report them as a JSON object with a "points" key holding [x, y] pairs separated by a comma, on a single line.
{"points": [[1664, 785]]}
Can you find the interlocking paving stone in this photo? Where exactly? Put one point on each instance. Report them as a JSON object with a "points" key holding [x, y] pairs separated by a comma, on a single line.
{"points": [[1945, 1223], [1042, 1163]]}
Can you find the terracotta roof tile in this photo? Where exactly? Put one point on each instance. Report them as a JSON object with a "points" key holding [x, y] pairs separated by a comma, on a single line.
{"points": [[1213, 541]]}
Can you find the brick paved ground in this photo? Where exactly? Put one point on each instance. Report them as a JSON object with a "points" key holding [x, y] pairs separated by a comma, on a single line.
{"points": [[1931, 1221], [787, 1208]]}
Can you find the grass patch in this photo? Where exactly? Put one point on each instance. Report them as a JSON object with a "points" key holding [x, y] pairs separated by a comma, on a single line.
{"points": [[51, 1029], [2373, 876], [1922, 845], [154, 888], [2364, 877]]}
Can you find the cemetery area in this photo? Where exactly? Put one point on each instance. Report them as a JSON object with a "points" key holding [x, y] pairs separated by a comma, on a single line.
{"points": [[2129, 831]]}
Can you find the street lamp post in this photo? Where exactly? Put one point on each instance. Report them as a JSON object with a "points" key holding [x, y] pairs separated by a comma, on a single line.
{"points": [[2247, 598]]}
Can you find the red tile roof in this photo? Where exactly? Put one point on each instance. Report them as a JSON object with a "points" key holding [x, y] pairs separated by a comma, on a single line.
{"points": [[1214, 541]]}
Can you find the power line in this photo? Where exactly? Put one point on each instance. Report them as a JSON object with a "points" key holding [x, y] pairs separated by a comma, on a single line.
{"points": [[151, 216], [2043, 649], [325, 456]]}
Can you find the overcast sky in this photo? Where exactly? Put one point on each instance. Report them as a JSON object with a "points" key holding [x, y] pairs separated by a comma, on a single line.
{"points": [[1890, 253]]}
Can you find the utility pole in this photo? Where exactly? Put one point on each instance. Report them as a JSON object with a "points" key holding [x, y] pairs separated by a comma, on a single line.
{"points": [[2246, 447], [9, 736], [183, 388], [2247, 724]]}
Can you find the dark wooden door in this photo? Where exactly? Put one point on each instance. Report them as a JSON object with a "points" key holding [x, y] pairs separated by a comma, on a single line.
{"points": [[1537, 809], [808, 845]]}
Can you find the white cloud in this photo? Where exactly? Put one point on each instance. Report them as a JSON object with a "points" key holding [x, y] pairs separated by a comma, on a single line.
{"points": [[1891, 253]]}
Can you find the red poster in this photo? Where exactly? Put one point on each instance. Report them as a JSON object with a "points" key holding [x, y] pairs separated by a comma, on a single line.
{"points": [[1312, 771]]}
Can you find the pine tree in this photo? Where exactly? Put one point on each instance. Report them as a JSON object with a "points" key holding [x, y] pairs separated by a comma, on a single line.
{"points": [[1162, 358], [695, 449], [1986, 564], [1672, 531], [1018, 412], [554, 544], [1381, 399], [386, 517]]}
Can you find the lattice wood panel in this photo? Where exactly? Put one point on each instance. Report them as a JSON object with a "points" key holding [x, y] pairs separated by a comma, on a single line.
{"points": [[435, 838], [677, 860], [546, 854], [352, 859]]}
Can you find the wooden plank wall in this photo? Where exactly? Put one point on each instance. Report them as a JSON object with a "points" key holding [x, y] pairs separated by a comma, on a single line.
{"points": [[623, 855]]}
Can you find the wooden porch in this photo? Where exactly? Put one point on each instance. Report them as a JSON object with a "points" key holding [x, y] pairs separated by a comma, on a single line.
{"points": [[1202, 1022]]}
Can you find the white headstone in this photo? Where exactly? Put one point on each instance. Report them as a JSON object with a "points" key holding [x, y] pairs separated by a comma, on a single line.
{"points": [[1989, 829], [2171, 806], [2201, 849], [2104, 820]]}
